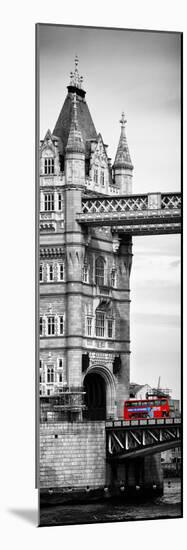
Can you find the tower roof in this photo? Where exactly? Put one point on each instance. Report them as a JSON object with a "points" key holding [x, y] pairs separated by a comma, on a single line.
{"points": [[75, 141], [85, 122], [123, 158]]}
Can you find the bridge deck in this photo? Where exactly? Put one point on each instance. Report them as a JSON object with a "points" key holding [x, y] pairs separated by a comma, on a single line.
{"points": [[154, 213]]}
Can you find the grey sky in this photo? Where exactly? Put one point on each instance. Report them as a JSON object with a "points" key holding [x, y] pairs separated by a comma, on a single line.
{"points": [[138, 72]]}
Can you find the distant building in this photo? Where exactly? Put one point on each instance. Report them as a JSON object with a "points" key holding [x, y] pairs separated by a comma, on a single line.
{"points": [[139, 391]]}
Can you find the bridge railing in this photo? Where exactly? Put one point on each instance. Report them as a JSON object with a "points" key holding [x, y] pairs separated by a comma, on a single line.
{"points": [[142, 422]]}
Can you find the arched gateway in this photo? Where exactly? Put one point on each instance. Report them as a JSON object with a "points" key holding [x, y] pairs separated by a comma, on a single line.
{"points": [[99, 386]]}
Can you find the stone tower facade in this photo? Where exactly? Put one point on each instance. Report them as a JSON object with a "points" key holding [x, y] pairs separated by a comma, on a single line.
{"points": [[84, 273]]}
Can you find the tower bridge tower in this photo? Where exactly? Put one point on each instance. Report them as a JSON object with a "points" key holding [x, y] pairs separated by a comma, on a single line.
{"points": [[84, 273]]}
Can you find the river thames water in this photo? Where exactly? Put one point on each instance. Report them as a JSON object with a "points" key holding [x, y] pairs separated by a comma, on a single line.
{"points": [[167, 506]]}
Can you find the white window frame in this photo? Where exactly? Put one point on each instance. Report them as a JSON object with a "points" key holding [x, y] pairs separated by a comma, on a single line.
{"points": [[100, 328], [61, 317], [49, 202], [49, 166], [61, 265], [95, 175], [51, 325], [102, 177], [60, 201], [51, 270], [112, 327], [41, 273], [50, 368], [100, 272], [85, 273], [113, 277], [89, 325], [41, 323]]}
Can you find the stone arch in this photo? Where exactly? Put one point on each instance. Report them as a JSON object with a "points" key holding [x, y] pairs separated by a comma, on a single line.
{"points": [[110, 387]]}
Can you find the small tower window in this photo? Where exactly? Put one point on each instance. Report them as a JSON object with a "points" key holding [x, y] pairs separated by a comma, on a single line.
{"points": [[49, 202], [60, 377], [113, 278], [49, 166], [99, 272], [51, 272], [100, 324], [61, 324], [60, 201], [41, 326], [50, 375], [110, 328], [61, 272], [60, 363], [51, 326], [102, 177], [41, 273], [96, 175], [85, 273], [89, 326]]}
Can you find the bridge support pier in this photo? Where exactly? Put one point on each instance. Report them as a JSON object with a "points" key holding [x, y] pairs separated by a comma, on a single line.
{"points": [[140, 477]]}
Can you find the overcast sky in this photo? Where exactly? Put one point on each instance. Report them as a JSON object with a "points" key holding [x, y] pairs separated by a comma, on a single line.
{"points": [[138, 72]]}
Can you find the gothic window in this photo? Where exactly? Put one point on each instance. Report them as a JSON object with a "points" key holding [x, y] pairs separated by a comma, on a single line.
{"points": [[110, 328], [50, 375], [51, 272], [100, 324], [48, 392], [49, 166], [102, 177], [61, 324], [85, 273], [60, 201], [113, 278], [61, 272], [49, 202], [41, 273], [89, 326], [41, 326], [96, 175], [99, 271], [40, 378], [60, 377], [51, 326], [60, 363]]}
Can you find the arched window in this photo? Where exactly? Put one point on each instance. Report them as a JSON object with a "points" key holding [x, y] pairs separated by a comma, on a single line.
{"points": [[85, 273], [113, 277], [50, 375], [99, 271]]}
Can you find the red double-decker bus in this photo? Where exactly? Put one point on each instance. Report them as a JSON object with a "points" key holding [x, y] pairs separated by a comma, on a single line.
{"points": [[146, 408]]}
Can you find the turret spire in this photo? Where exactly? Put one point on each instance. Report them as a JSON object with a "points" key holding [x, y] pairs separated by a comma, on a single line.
{"points": [[75, 141], [123, 167], [75, 79], [123, 156]]}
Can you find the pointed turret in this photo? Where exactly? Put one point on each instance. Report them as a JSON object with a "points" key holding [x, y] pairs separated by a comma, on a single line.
{"points": [[75, 140], [123, 166], [86, 125], [75, 151]]}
